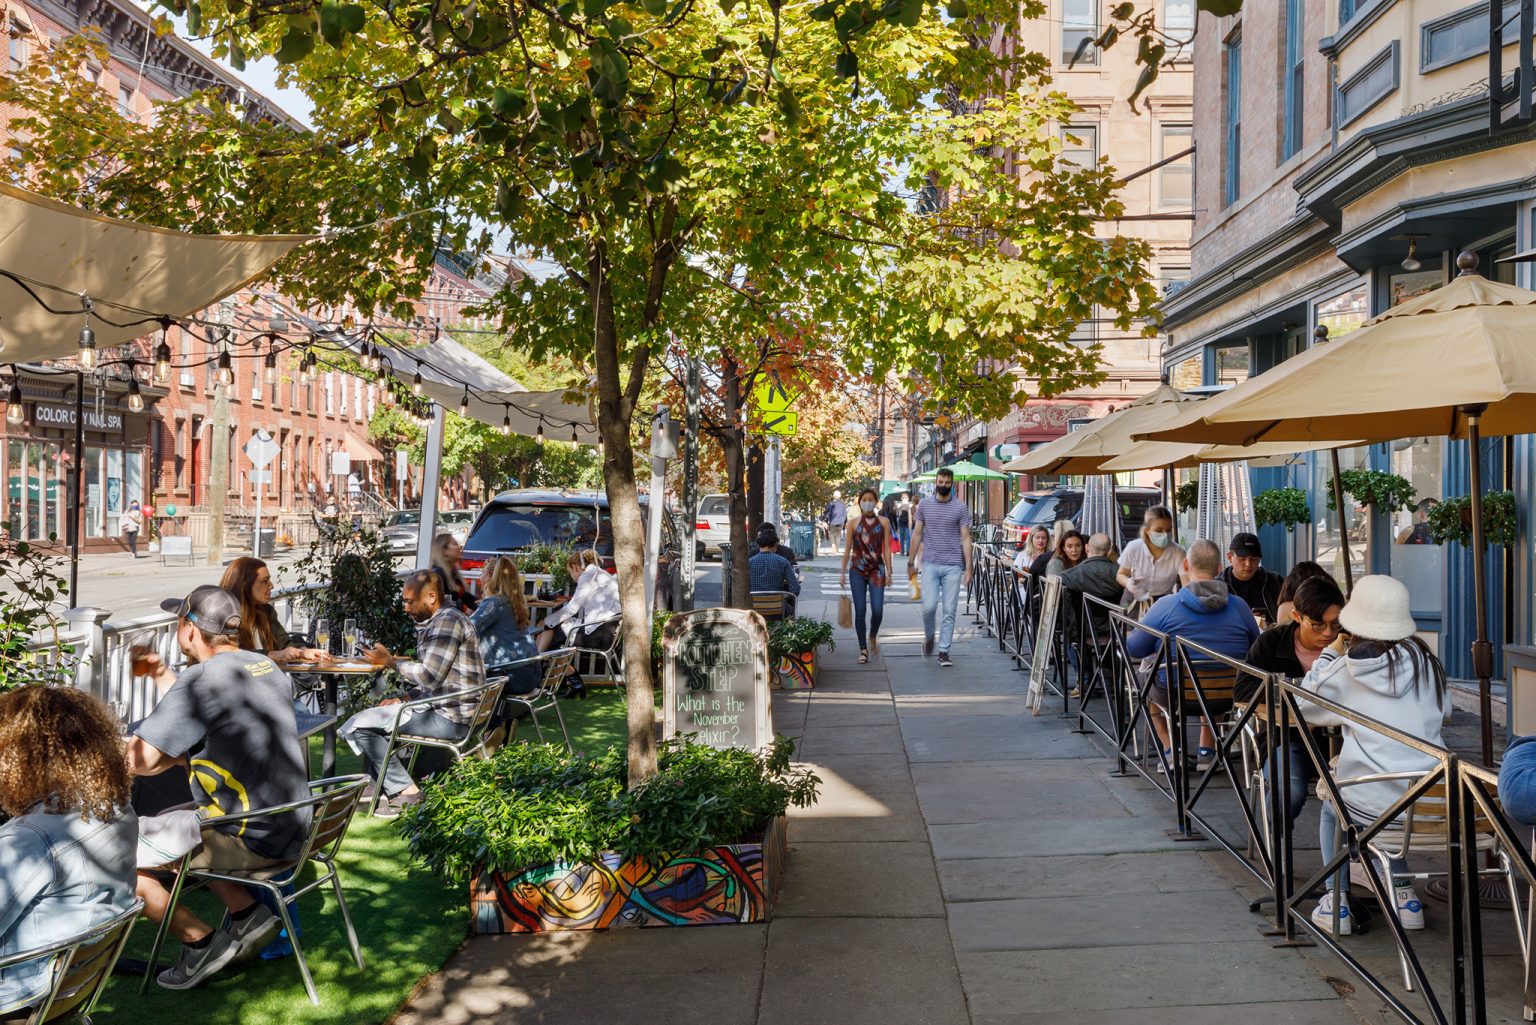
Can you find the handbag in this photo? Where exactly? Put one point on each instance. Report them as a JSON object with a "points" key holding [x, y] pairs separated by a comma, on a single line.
{"points": [[845, 612], [917, 586]]}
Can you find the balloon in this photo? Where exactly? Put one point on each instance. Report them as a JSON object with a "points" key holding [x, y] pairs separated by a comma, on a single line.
{"points": [[149, 510], [170, 510]]}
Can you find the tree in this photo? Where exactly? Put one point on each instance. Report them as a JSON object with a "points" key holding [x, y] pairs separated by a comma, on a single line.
{"points": [[711, 172]]}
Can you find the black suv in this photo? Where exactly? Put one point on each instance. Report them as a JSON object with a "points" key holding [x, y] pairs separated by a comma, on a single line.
{"points": [[1044, 508], [515, 520]]}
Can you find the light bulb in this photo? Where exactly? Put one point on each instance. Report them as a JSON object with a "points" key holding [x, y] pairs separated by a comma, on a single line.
{"points": [[506, 424], [464, 404], [87, 355], [1412, 263], [538, 439], [163, 361], [135, 397], [226, 373], [573, 436], [602, 449], [416, 384], [269, 367], [15, 411]]}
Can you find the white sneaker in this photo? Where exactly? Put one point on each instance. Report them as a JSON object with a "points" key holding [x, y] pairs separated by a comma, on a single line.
{"points": [[1410, 911], [1322, 915]]}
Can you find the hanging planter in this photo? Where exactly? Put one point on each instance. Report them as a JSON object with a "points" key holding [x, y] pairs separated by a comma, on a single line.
{"points": [[1187, 495], [1451, 520], [1382, 491], [1281, 506]]}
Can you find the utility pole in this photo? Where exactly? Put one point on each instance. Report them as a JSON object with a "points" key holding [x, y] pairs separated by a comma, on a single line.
{"points": [[690, 509], [880, 435], [218, 452]]}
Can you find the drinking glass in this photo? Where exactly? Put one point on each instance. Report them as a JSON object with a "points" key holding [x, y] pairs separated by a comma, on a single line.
{"points": [[122, 710], [349, 636], [323, 634]]}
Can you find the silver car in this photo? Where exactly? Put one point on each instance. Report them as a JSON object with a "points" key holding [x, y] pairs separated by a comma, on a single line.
{"points": [[402, 528]]}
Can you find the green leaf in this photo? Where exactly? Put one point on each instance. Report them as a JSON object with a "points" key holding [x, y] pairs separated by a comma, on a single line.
{"points": [[1220, 8], [824, 12], [847, 64], [194, 18], [509, 201], [727, 5], [1122, 11], [957, 9], [508, 102], [339, 20], [911, 12], [654, 7], [789, 104]]}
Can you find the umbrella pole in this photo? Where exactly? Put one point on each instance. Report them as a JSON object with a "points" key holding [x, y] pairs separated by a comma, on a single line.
{"points": [[1338, 502], [1482, 650], [76, 518], [1172, 499]]}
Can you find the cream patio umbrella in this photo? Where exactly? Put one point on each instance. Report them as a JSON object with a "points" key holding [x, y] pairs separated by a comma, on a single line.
{"points": [[1459, 361], [1085, 450]]}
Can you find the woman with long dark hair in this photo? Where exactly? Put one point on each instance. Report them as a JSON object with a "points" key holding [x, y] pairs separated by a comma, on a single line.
{"points": [[249, 580], [1068, 553], [1299, 574], [869, 549]]}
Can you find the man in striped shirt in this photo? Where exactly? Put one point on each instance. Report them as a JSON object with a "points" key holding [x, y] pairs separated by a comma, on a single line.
{"points": [[941, 551]]}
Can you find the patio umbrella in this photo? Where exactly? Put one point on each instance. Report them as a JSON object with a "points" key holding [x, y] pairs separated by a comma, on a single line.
{"points": [[1084, 451], [1400, 376], [972, 471], [1151, 455]]}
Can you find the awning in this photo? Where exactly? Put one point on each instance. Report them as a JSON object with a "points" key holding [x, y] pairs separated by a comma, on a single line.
{"points": [[130, 272], [360, 451]]}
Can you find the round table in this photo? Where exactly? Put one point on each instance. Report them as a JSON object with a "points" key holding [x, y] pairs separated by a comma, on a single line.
{"points": [[331, 673]]}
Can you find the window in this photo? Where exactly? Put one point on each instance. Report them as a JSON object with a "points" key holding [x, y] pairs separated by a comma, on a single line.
{"points": [[1171, 277], [18, 34], [1344, 312], [1079, 21], [898, 458], [1295, 62], [93, 75], [186, 360], [1232, 364], [330, 393], [343, 403], [1347, 9], [1407, 285], [1369, 86], [256, 385], [1175, 180], [1232, 182], [1086, 332], [1326, 548], [1179, 24], [1080, 145], [181, 453], [1463, 34], [1416, 560], [125, 100]]}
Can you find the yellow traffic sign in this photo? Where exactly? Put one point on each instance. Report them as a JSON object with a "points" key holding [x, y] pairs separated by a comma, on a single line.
{"points": [[785, 424], [772, 395]]}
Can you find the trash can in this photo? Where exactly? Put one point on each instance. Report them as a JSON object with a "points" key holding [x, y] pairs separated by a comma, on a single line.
{"points": [[802, 539], [267, 542]]}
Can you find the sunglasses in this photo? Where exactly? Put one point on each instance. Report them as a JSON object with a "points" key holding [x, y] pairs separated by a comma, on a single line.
{"points": [[1330, 626]]}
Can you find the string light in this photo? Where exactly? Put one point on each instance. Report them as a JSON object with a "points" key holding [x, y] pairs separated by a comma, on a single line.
{"points": [[573, 434], [269, 363], [163, 353], [506, 421], [416, 384], [135, 397], [464, 402], [15, 413], [538, 439], [87, 356], [226, 367], [602, 450]]}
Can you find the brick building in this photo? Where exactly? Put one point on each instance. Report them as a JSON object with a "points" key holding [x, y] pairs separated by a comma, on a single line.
{"points": [[162, 455]]}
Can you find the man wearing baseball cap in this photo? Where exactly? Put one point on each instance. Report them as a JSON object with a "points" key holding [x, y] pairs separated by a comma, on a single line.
{"points": [[228, 718], [1246, 577]]}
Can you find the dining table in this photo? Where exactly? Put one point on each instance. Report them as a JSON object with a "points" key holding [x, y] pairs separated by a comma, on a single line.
{"points": [[332, 673]]}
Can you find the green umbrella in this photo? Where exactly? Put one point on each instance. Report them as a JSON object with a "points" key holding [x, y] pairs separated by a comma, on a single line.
{"points": [[971, 471]]}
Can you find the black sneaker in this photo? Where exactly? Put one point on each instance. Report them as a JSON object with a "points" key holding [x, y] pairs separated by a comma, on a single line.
{"points": [[945, 660], [927, 645], [197, 963]]}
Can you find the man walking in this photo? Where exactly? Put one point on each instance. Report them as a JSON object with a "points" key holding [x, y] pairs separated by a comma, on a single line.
{"points": [[836, 518], [941, 552]]}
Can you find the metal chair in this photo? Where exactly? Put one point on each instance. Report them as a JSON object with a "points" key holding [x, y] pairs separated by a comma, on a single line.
{"points": [[773, 605], [557, 666], [485, 696], [332, 806], [611, 657], [80, 967]]}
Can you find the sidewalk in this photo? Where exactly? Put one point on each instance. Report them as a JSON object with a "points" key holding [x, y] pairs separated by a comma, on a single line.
{"points": [[967, 863]]}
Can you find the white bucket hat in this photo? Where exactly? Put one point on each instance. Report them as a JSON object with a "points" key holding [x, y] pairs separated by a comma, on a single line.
{"points": [[1379, 610]]}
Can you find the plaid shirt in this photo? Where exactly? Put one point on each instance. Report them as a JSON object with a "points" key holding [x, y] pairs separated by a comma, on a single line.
{"points": [[770, 571], [447, 660]]}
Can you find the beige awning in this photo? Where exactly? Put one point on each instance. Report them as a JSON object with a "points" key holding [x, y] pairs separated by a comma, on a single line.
{"points": [[130, 272], [360, 451], [1409, 372], [1085, 451], [1155, 455]]}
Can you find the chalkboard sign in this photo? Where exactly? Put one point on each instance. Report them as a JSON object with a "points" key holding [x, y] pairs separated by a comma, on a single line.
{"points": [[175, 545], [1045, 641], [715, 678]]}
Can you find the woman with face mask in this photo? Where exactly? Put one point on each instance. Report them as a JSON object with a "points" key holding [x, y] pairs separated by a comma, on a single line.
{"points": [[869, 548], [1149, 566]]}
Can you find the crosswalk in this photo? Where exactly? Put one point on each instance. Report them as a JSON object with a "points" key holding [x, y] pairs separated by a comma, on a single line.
{"points": [[835, 585]]}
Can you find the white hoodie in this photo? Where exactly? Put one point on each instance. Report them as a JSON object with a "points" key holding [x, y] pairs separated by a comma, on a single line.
{"points": [[1363, 686]]}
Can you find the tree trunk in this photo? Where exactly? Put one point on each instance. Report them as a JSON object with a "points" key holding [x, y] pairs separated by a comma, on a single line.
{"points": [[755, 485], [732, 444], [613, 420]]}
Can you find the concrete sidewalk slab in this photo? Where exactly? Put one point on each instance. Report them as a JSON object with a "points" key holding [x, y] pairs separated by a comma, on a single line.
{"points": [[1146, 918], [1072, 876], [843, 880], [945, 803]]}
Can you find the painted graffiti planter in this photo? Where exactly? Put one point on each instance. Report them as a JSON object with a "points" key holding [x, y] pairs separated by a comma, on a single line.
{"points": [[728, 884], [797, 671]]}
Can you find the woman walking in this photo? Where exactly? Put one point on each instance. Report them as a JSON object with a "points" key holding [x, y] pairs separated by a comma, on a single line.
{"points": [[869, 548], [130, 524]]}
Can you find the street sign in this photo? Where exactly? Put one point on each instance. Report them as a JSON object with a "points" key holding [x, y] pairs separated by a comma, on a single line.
{"points": [[783, 424], [774, 395], [262, 449]]}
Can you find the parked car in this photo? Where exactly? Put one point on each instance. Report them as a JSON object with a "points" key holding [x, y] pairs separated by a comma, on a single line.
{"points": [[402, 528], [517, 520], [712, 528], [1044, 508]]}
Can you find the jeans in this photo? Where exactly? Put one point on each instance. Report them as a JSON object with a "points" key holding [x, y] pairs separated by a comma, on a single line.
{"points": [[904, 535], [940, 581], [372, 743], [875, 594], [1328, 844], [133, 542], [1300, 776]]}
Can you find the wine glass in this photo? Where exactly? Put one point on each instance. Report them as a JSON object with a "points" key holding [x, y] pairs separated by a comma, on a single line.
{"points": [[323, 634], [122, 710], [349, 636]]}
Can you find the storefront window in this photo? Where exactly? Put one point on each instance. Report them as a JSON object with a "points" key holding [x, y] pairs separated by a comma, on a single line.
{"points": [[1327, 550], [1411, 285], [1416, 560], [1232, 364], [1186, 375], [133, 478], [95, 525], [1344, 312], [35, 493]]}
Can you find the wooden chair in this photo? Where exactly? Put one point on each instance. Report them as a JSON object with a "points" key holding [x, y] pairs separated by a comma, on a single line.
{"points": [[79, 968], [332, 805], [773, 605], [485, 696]]}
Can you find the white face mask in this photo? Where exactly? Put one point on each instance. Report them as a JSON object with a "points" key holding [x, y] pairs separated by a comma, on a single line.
{"points": [[868, 507], [1158, 538]]}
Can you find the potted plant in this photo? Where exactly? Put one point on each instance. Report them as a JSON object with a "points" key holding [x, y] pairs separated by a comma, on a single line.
{"points": [[31, 586], [548, 561], [1281, 506], [1187, 495], [1451, 520], [792, 647], [1385, 492], [553, 841], [351, 575]]}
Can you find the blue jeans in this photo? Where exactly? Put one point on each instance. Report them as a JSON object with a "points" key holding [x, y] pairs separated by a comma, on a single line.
{"points": [[941, 583], [1328, 844], [1300, 776], [904, 535], [864, 593]]}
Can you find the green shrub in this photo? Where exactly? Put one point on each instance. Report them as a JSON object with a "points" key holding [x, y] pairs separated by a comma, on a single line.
{"points": [[533, 804], [1187, 495], [1451, 520], [1284, 506], [796, 636], [30, 591], [550, 559], [353, 577]]}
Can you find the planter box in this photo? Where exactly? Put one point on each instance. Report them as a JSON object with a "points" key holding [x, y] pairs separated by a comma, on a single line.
{"points": [[723, 885], [796, 672]]}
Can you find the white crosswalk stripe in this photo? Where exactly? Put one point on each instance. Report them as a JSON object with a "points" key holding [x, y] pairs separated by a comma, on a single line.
{"points": [[900, 587]]}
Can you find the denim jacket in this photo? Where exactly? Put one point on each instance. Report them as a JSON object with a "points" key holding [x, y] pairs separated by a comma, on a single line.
{"points": [[503, 641], [59, 876]]}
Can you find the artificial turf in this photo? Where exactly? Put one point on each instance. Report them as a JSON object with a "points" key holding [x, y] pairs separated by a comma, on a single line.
{"points": [[407, 921]]}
